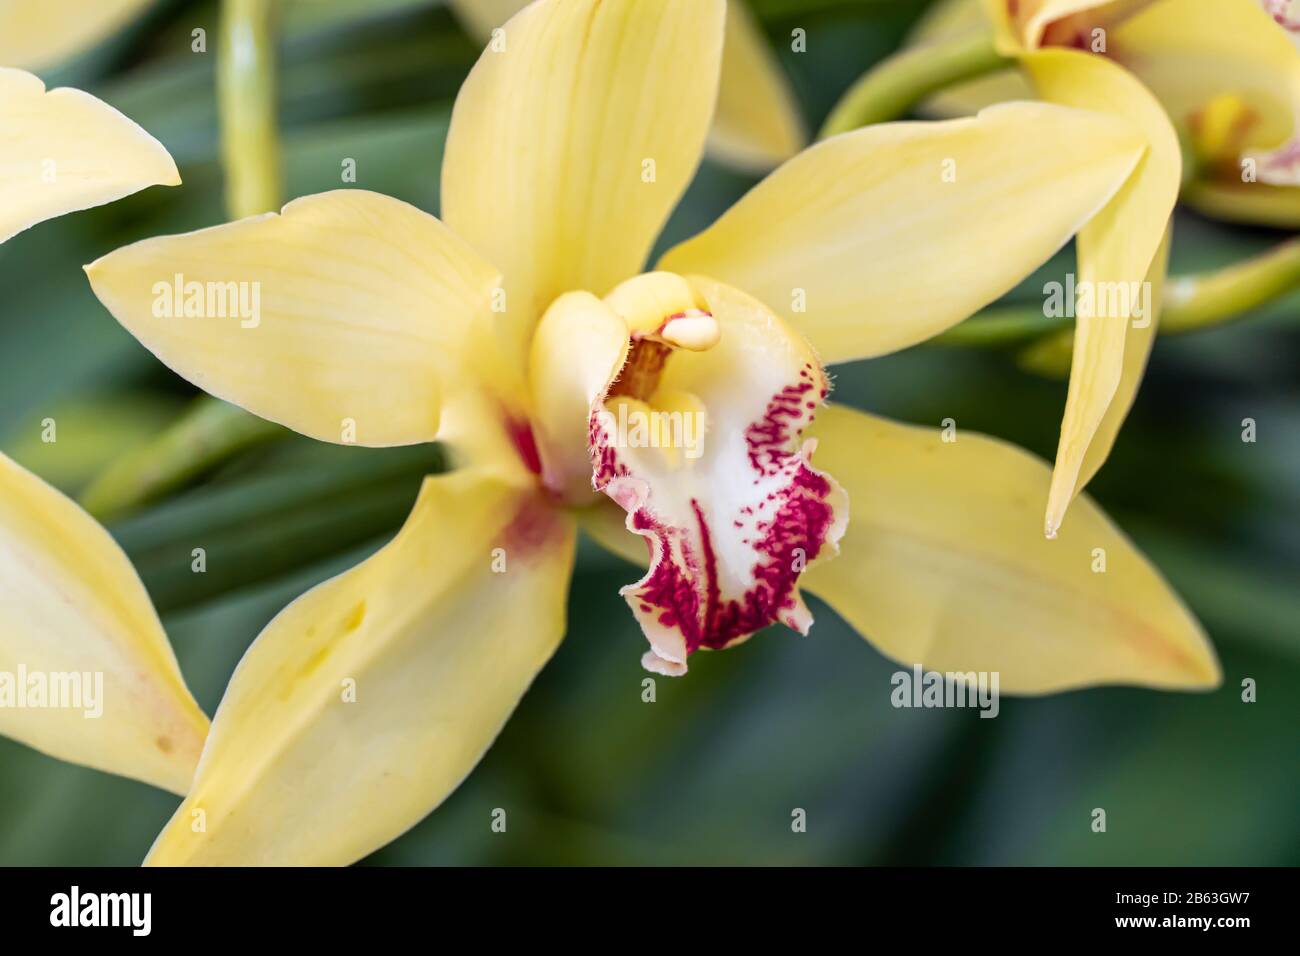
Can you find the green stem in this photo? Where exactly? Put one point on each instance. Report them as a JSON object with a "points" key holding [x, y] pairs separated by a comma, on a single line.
{"points": [[1205, 299], [1193, 301], [1001, 325], [208, 433], [891, 88], [211, 431], [246, 107]]}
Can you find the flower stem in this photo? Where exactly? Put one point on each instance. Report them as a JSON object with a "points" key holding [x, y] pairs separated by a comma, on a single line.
{"points": [[1204, 299], [1001, 325], [891, 88], [206, 434], [1194, 301], [246, 107]]}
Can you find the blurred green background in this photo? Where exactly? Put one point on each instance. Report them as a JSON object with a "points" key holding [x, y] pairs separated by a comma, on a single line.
{"points": [[711, 771]]}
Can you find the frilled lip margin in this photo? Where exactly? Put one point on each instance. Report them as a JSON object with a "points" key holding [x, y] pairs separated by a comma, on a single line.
{"points": [[729, 535]]}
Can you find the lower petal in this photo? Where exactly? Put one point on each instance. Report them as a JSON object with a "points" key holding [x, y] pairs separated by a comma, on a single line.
{"points": [[75, 620], [368, 700]]}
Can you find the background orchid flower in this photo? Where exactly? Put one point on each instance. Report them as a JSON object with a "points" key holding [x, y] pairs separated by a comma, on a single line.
{"points": [[1227, 73], [70, 602], [1221, 74], [756, 123], [520, 326]]}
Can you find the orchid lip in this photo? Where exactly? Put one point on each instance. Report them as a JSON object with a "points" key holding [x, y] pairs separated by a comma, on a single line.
{"points": [[731, 529]]}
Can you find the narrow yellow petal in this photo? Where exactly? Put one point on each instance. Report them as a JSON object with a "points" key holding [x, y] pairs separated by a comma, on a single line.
{"points": [[580, 345], [1187, 52], [78, 629], [1137, 350], [573, 138], [944, 565], [348, 317], [757, 124], [64, 150], [1115, 252], [881, 238], [366, 702], [39, 35]]}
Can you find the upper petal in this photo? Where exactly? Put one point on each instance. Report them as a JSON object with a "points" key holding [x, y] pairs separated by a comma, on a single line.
{"points": [[573, 138], [349, 317], [39, 35], [944, 565], [64, 150], [1116, 250], [757, 123], [77, 627], [366, 702], [883, 237]]}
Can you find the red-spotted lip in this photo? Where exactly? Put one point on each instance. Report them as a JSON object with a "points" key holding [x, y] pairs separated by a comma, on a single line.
{"points": [[729, 541]]}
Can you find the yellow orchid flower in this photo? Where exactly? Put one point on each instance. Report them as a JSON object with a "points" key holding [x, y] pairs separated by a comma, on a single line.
{"points": [[36, 36], [1219, 72], [756, 123], [1227, 72], [668, 412], [86, 672]]}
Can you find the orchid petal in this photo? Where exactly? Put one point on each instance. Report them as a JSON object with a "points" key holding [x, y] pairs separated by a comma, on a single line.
{"points": [[40, 35], [349, 317], [63, 150], [1115, 250], [369, 699], [579, 347], [943, 565], [1187, 52], [73, 613], [883, 237], [757, 124], [573, 138]]}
